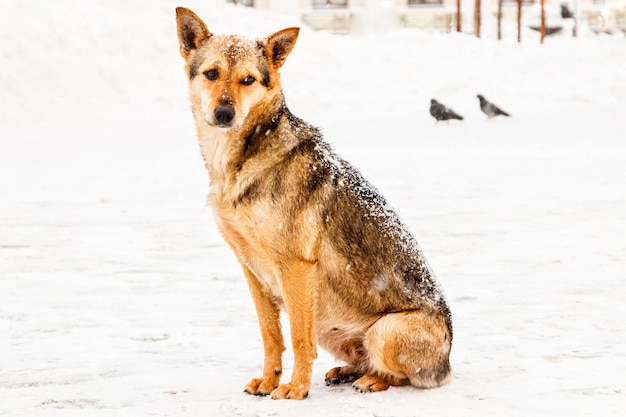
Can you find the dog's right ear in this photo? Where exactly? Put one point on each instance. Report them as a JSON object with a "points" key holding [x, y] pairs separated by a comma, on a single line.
{"points": [[191, 31]]}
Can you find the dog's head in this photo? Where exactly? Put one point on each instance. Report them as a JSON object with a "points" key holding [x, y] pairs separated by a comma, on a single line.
{"points": [[230, 76]]}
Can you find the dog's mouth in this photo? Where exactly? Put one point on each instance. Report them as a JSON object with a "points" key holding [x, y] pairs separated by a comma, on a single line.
{"points": [[214, 123], [220, 125]]}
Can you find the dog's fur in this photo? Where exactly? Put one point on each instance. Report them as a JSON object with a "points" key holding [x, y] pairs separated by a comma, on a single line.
{"points": [[312, 235]]}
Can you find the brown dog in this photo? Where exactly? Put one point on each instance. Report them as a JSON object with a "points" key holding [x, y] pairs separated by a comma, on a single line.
{"points": [[312, 235]]}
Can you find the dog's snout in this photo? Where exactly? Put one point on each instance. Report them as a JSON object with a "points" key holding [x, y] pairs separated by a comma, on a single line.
{"points": [[224, 114]]}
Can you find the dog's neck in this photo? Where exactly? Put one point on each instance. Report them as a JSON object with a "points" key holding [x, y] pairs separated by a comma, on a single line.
{"points": [[216, 149], [227, 151]]}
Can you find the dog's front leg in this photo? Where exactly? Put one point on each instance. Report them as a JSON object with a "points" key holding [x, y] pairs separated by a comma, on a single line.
{"points": [[268, 314], [298, 287]]}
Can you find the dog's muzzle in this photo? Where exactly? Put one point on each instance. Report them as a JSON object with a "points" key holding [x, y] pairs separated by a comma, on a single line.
{"points": [[224, 115]]}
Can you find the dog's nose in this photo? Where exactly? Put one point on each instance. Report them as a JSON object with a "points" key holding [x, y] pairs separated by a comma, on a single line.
{"points": [[224, 114]]}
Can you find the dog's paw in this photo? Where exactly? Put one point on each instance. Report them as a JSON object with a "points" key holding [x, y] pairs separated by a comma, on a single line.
{"points": [[341, 375], [370, 383], [261, 386], [290, 391]]}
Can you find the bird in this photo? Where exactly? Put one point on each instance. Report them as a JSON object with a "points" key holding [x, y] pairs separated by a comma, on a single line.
{"points": [[441, 112], [490, 109]]}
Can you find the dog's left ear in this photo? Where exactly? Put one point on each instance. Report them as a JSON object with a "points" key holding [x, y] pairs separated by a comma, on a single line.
{"points": [[279, 45]]}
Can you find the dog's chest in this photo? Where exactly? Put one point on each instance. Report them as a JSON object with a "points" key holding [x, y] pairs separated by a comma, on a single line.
{"points": [[251, 245]]}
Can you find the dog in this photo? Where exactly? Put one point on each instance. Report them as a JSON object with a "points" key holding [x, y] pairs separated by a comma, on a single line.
{"points": [[312, 235]]}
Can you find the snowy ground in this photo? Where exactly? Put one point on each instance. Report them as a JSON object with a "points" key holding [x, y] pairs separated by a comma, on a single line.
{"points": [[119, 298]]}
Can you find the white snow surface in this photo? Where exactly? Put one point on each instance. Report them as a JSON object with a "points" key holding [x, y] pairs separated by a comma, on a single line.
{"points": [[118, 297]]}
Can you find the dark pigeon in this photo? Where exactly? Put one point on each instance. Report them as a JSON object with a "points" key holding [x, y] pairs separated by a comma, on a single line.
{"points": [[490, 109], [441, 112], [566, 12]]}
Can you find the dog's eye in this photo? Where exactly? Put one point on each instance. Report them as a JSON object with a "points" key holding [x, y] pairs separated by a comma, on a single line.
{"points": [[211, 74], [249, 80]]}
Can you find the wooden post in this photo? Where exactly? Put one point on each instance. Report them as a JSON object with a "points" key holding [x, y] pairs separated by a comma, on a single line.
{"points": [[519, 21], [458, 15], [543, 20], [499, 19], [576, 19], [477, 18]]}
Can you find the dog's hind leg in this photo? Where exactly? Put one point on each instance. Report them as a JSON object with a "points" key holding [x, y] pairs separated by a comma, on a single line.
{"points": [[348, 347], [268, 314], [342, 375], [411, 346]]}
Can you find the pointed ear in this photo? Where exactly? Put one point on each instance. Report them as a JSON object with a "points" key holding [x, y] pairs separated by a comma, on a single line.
{"points": [[191, 31], [279, 45]]}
